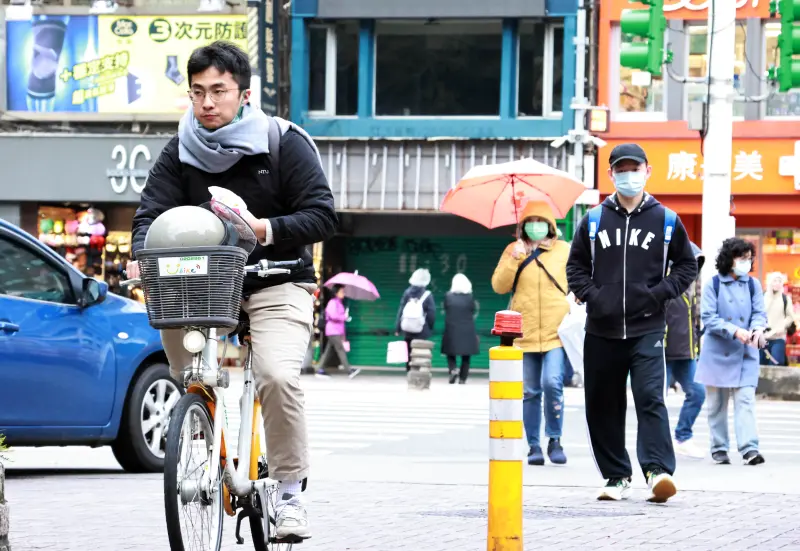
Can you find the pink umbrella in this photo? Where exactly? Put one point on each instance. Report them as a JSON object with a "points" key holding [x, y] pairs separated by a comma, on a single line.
{"points": [[356, 287]]}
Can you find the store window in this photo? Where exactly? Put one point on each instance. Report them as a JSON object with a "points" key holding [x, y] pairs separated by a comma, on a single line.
{"points": [[781, 104], [333, 69], [640, 93], [24, 274], [438, 68], [540, 69], [697, 37]]}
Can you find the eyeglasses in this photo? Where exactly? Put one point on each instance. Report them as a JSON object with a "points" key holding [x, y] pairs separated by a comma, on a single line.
{"points": [[199, 96]]}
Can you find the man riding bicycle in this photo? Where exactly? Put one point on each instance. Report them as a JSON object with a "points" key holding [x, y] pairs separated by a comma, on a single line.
{"points": [[222, 141]]}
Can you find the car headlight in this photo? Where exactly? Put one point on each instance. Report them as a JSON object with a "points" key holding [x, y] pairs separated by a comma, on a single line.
{"points": [[194, 341]]}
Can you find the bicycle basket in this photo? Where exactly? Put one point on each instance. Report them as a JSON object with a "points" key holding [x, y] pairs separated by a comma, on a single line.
{"points": [[197, 286]]}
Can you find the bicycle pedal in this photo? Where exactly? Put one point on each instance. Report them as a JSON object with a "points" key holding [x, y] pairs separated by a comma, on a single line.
{"points": [[291, 540]]}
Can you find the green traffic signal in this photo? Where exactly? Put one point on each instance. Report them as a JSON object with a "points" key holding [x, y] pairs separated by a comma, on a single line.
{"points": [[789, 45], [648, 24]]}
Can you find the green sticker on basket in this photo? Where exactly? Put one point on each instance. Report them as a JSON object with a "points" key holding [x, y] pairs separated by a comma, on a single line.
{"points": [[183, 266]]}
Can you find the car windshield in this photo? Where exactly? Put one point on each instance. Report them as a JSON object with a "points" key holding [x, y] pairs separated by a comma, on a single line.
{"points": [[239, 233]]}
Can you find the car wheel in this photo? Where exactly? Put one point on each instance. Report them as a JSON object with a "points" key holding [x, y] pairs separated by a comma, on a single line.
{"points": [[142, 437]]}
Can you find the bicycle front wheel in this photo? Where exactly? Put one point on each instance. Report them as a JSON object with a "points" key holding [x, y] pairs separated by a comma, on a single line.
{"points": [[193, 505]]}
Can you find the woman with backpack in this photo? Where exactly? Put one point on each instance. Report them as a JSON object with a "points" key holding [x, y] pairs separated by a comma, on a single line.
{"points": [[533, 269], [734, 320], [417, 312], [460, 336], [780, 314]]}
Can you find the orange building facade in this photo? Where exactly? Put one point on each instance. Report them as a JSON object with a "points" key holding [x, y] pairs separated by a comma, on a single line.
{"points": [[653, 111]]}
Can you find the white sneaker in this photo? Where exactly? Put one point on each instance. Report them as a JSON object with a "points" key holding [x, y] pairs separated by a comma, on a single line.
{"points": [[616, 490], [662, 487], [292, 519], [689, 449]]}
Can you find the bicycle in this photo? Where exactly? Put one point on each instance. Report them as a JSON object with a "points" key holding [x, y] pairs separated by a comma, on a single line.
{"points": [[225, 483]]}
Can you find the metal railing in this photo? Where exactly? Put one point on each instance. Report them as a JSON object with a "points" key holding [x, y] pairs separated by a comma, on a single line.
{"points": [[391, 175]]}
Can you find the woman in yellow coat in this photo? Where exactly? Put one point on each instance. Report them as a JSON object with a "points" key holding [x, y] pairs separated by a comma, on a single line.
{"points": [[538, 262]]}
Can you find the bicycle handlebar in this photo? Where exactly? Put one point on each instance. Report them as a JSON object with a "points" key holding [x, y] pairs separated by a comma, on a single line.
{"points": [[264, 268]]}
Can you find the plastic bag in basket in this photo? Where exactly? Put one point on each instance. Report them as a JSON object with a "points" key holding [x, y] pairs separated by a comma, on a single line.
{"points": [[228, 198]]}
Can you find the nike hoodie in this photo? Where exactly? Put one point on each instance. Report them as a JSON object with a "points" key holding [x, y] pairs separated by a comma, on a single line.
{"points": [[626, 292]]}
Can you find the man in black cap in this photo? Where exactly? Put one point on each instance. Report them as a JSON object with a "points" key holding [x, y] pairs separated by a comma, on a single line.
{"points": [[617, 266]]}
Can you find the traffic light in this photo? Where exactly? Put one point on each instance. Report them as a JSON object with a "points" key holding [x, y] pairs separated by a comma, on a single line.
{"points": [[650, 25], [788, 74]]}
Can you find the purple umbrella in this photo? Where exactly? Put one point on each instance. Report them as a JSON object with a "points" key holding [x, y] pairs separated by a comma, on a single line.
{"points": [[356, 287]]}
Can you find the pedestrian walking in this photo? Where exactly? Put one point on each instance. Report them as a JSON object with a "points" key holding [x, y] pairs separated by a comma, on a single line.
{"points": [[681, 348], [336, 346], [617, 266], [533, 269], [734, 319], [460, 336], [417, 312], [780, 320]]}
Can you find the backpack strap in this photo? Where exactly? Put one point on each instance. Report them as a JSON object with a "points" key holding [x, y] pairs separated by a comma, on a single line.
{"points": [[670, 219], [425, 296], [276, 132], [533, 256], [751, 286], [595, 213], [785, 303]]}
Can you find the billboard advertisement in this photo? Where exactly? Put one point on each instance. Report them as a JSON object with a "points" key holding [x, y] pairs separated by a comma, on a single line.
{"points": [[108, 64]]}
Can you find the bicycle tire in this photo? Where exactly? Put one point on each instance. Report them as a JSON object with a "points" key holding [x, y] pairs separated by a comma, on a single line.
{"points": [[187, 404]]}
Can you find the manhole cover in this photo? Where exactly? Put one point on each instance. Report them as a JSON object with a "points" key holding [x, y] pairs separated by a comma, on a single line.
{"points": [[538, 513]]}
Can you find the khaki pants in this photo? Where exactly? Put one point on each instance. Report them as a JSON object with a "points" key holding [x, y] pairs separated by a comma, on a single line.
{"points": [[281, 320]]}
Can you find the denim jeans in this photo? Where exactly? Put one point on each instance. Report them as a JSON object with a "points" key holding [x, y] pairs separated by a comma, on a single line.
{"points": [[682, 371], [543, 373], [744, 418], [776, 349]]}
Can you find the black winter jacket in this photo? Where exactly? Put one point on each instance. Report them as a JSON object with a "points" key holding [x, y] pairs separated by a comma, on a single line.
{"points": [[298, 204], [625, 296], [460, 337]]}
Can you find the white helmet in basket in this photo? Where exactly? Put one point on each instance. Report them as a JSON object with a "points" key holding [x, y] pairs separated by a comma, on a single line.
{"points": [[209, 225]]}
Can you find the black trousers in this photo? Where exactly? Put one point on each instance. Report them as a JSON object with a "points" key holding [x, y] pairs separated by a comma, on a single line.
{"points": [[607, 363], [463, 373]]}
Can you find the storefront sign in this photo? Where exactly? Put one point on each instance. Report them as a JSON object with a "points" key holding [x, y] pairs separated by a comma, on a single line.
{"points": [[108, 64], [692, 9], [126, 168], [268, 60], [77, 168], [758, 167]]}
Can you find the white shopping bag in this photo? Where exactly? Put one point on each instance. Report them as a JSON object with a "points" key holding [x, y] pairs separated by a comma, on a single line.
{"points": [[397, 352], [572, 331]]}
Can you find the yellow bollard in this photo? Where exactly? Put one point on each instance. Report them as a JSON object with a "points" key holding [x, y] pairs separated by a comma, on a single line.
{"points": [[506, 436]]}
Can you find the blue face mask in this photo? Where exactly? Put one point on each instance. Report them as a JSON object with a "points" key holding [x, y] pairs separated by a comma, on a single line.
{"points": [[629, 184]]}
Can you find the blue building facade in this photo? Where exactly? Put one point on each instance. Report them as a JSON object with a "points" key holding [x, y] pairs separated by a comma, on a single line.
{"points": [[467, 69]]}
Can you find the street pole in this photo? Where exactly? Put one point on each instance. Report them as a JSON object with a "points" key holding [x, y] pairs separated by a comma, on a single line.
{"points": [[579, 102], [717, 224]]}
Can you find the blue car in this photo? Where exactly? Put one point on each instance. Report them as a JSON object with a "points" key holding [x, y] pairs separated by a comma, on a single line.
{"points": [[78, 366]]}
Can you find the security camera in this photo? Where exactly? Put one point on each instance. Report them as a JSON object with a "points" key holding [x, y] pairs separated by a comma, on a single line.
{"points": [[559, 142], [598, 141]]}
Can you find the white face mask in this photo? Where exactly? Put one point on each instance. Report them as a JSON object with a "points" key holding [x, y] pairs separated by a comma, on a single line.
{"points": [[742, 267], [629, 184]]}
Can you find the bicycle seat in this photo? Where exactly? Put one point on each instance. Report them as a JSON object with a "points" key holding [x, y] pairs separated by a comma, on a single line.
{"points": [[243, 328]]}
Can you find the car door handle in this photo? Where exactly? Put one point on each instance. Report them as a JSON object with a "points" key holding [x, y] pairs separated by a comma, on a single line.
{"points": [[8, 327]]}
